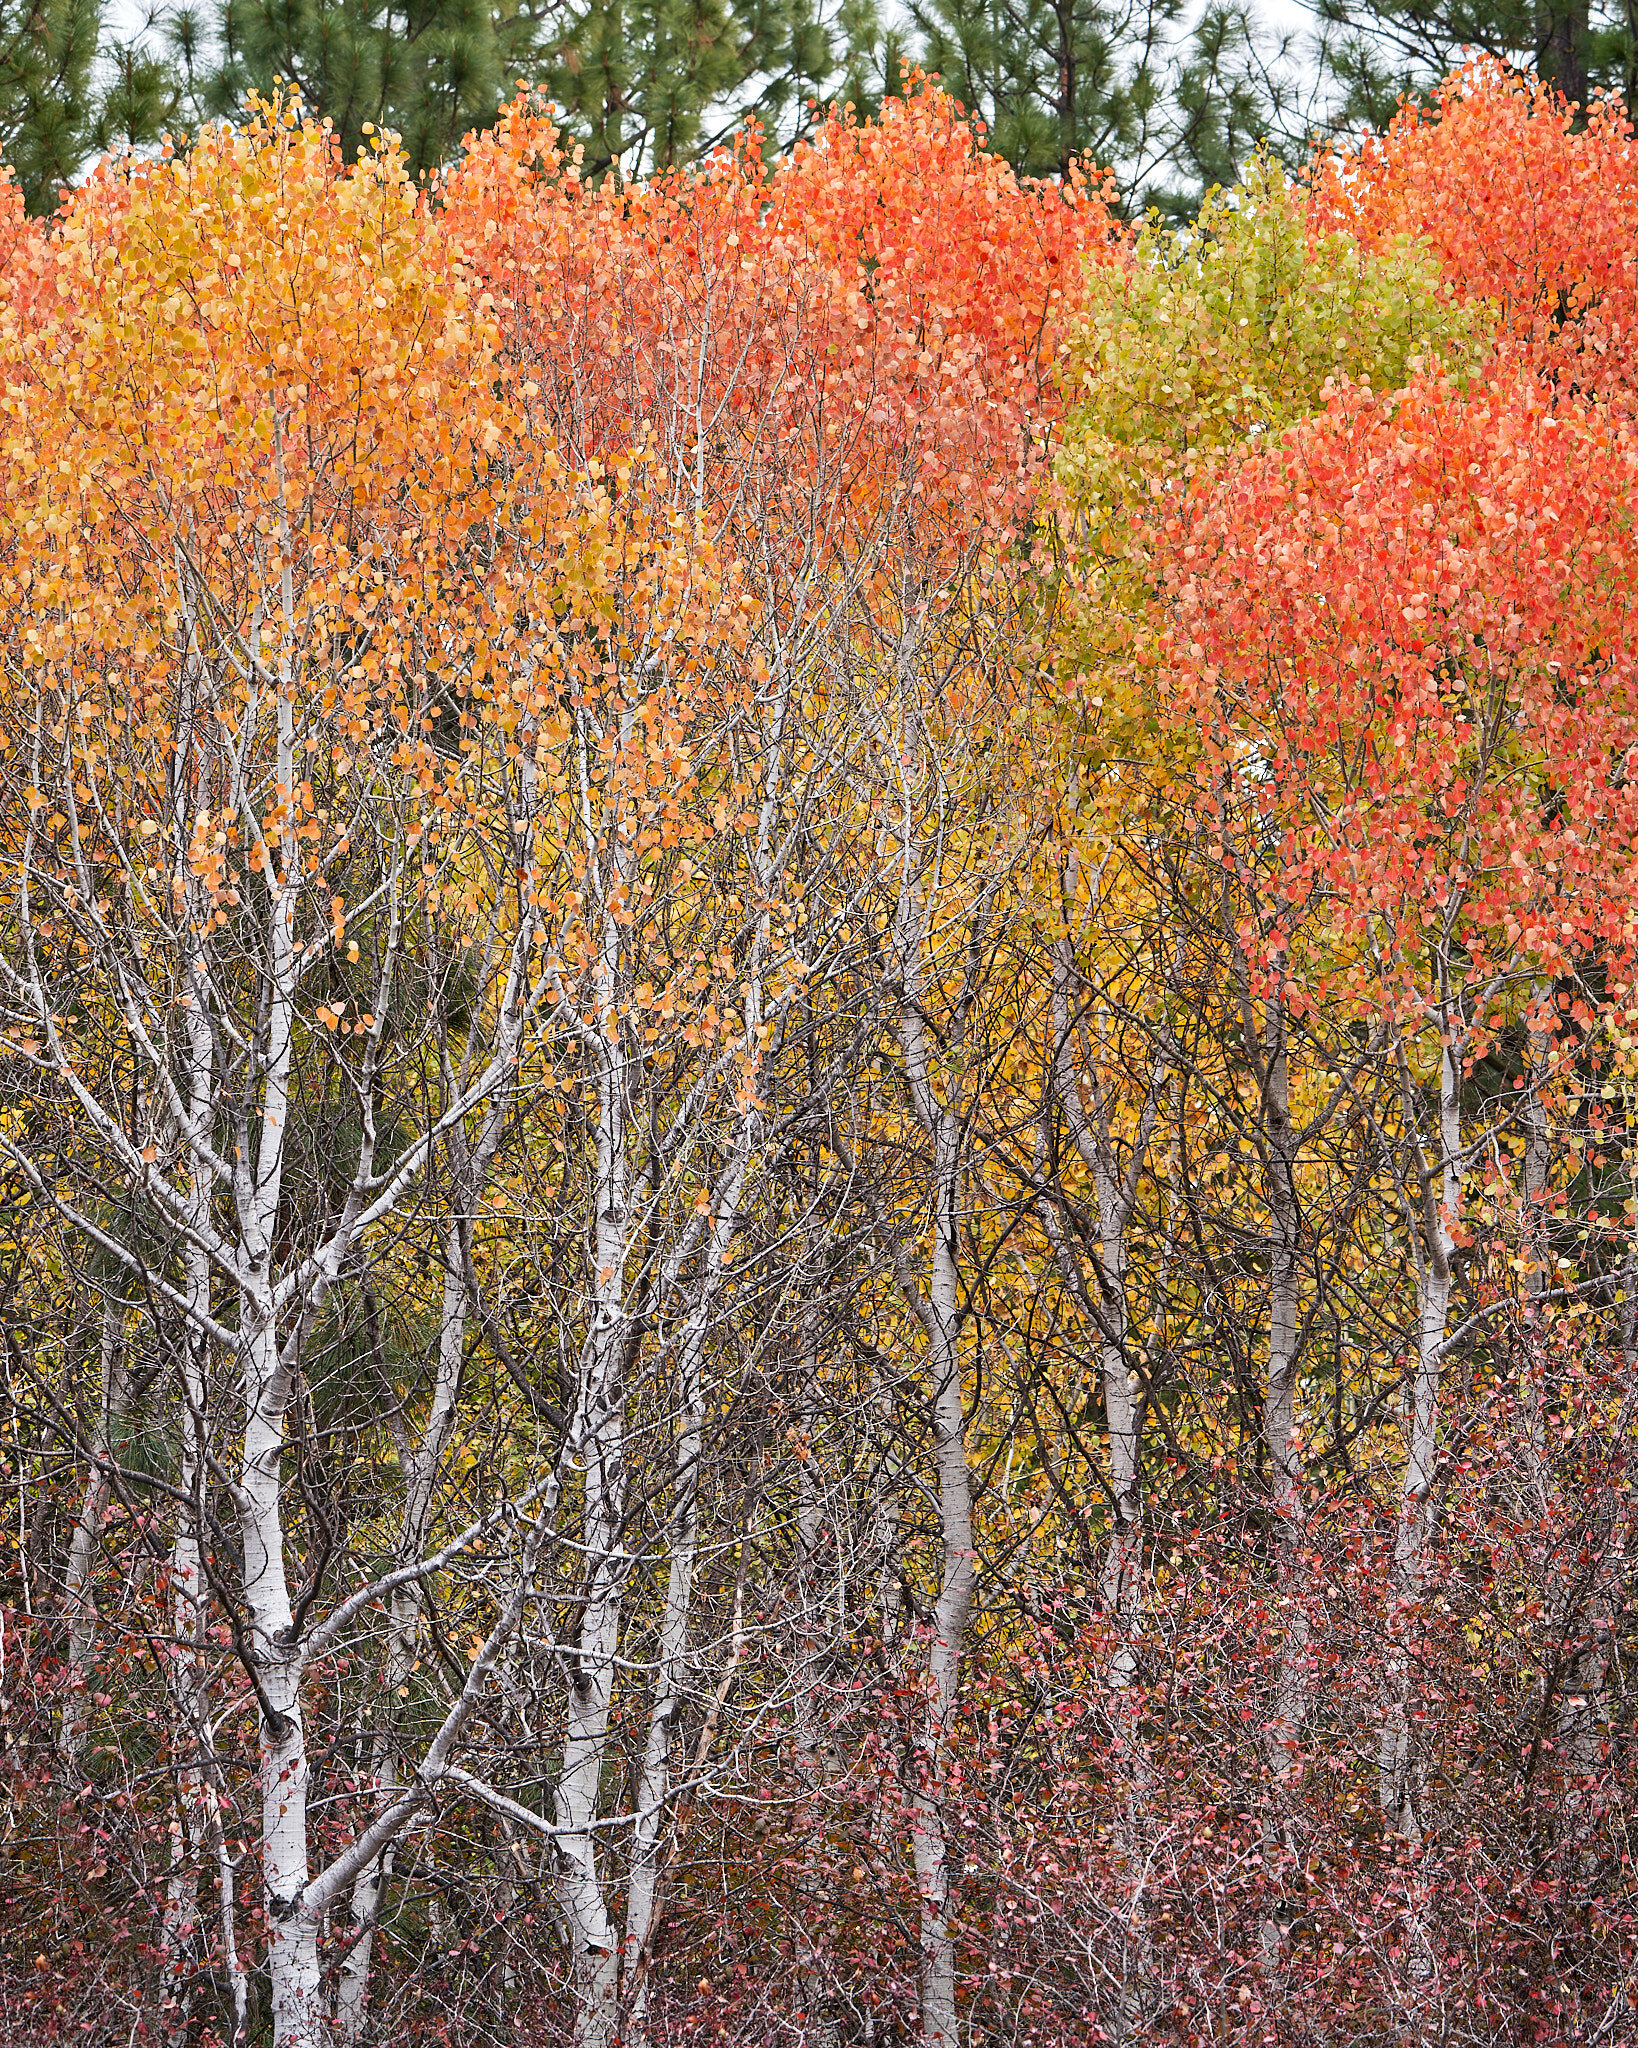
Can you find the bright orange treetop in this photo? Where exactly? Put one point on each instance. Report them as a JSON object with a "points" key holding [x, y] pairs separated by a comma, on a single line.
{"points": [[871, 320], [1518, 206], [1411, 627]]}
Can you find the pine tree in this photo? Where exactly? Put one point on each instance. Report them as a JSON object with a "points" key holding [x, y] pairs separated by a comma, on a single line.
{"points": [[48, 54], [650, 83], [62, 100], [1057, 81], [641, 83], [1114, 84], [138, 98], [1236, 90], [1382, 49], [429, 70], [66, 96]]}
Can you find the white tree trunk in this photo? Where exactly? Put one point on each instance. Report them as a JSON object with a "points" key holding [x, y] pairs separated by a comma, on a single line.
{"points": [[1280, 1403], [186, 1662], [1438, 1200], [647, 1851], [654, 1776], [929, 1842], [937, 1308], [1285, 1466], [591, 1681], [292, 1930], [600, 1428]]}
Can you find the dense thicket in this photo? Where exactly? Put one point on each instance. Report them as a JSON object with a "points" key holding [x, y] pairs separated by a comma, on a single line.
{"points": [[818, 1046]]}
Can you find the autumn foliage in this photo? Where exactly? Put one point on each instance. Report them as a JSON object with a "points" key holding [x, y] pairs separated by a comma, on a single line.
{"points": [[1521, 209], [817, 1095]]}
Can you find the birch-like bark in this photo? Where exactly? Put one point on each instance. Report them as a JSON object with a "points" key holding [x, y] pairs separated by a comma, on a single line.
{"points": [[186, 1672], [600, 1428], [653, 1782], [1280, 1395], [642, 1899], [292, 1932], [937, 1306], [222, 1202], [929, 1843], [194, 1801], [653, 1785], [1437, 1194]]}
